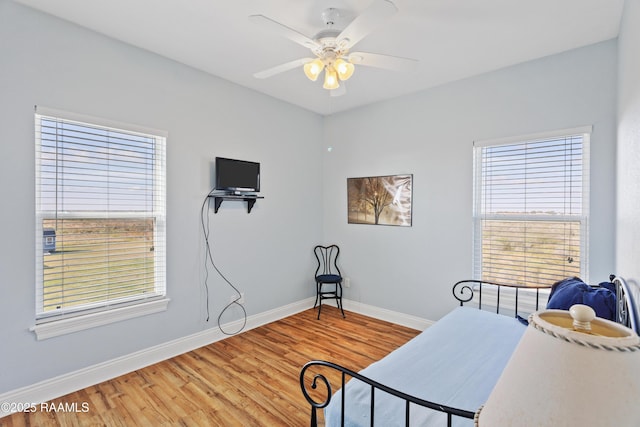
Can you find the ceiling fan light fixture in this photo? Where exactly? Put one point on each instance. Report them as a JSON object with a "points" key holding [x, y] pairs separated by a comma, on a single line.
{"points": [[330, 79], [313, 69], [331, 46], [344, 69]]}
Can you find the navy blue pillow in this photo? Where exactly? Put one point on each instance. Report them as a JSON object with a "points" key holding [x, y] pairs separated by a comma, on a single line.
{"points": [[608, 285], [568, 292]]}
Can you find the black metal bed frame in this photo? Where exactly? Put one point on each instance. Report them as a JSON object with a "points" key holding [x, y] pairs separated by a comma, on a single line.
{"points": [[464, 291], [627, 309]]}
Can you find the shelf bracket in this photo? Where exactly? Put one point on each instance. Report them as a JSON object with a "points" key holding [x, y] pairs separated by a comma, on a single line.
{"points": [[217, 200]]}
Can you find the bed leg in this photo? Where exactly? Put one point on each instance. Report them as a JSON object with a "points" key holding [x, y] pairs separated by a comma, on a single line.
{"points": [[314, 419]]}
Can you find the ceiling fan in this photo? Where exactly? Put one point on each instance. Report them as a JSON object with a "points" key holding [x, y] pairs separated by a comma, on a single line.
{"points": [[331, 47]]}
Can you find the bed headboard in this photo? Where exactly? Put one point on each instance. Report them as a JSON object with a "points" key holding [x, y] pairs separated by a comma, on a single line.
{"points": [[503, 298], [514, 298]]}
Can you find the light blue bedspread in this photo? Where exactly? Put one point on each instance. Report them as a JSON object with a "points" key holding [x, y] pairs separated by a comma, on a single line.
{"points": [[456, 362]]}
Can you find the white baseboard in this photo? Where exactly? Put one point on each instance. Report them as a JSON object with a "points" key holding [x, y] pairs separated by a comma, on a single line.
{"points": [[68, 383], [387, 315]]}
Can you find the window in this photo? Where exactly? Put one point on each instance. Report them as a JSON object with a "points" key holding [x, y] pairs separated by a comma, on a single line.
{"points": [[531, 208], [100, 216]]}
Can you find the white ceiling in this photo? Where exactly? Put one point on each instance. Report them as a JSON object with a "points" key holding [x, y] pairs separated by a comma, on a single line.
{"points": [[452, 39]]}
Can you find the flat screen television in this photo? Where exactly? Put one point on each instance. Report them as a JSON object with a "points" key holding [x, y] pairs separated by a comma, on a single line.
{"points": [[237, 176]]}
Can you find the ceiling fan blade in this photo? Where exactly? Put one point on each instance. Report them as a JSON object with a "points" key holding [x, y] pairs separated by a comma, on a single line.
{"points": [[284, 31], [388, 62], [281, 68], [342, 89], [367, 21]]}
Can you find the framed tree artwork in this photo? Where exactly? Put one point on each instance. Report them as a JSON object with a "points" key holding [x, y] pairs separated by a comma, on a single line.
{"points": [[380, 200]]}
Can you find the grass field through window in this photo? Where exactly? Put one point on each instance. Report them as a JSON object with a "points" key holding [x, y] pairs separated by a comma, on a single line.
{"points": [[98, 260], [530, 252]]}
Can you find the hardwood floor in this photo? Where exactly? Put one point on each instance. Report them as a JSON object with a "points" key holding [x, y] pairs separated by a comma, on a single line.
{"points": [[251, 379]]}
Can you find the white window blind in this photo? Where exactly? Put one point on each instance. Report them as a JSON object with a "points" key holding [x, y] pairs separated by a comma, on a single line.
{"points": [[531, 208], [100, 215]]}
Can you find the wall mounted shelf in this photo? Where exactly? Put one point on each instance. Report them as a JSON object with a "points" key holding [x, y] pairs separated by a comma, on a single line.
{"points": [[219, 198]]}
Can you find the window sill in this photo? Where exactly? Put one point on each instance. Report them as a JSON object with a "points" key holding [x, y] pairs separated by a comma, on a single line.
{"points": [[56, 328]]}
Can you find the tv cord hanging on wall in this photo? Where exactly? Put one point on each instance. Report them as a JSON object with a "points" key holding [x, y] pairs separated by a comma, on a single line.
{"points": [[206, 230]]}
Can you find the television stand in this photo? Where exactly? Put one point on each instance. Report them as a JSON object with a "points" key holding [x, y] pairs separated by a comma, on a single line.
{"points": [[219, 198]]}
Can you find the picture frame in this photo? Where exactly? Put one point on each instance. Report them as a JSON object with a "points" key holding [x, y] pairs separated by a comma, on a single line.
{"points": [[380, 200]]}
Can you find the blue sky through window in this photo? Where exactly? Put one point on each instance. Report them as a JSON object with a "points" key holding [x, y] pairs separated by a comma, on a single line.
{"points": [[540, 177], [90, 168]]}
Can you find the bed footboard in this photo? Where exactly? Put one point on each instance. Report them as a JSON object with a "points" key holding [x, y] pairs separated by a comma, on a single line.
{"points": [[316, 388], [627, 309]]}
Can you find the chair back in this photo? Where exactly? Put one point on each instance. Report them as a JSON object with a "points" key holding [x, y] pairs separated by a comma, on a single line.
{"points": [[327, 257]]}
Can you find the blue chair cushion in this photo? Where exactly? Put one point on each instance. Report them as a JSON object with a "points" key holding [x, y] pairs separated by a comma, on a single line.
{"points": [[571, 291], [328, 278]]}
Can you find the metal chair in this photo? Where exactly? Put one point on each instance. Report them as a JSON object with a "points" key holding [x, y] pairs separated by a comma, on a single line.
{"points": [[328, 274]]}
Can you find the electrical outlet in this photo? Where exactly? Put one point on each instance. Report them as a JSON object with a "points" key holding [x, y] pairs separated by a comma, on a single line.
{"points": [[241, 300], [347, 282]]}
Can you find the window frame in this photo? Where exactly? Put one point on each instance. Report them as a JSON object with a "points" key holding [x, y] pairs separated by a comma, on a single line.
{"points": [[583, 218], [52, 324]]}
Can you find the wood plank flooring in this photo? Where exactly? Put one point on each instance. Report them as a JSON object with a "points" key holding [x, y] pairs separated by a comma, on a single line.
{"points": [[251, 379]]}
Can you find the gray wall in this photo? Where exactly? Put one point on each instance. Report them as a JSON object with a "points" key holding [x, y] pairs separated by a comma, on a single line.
{"points": [[430, 134], [49, 62], [628, 172]]}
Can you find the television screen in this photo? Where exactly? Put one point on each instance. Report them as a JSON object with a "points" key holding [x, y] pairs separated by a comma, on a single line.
{"points": [[237, 176]]}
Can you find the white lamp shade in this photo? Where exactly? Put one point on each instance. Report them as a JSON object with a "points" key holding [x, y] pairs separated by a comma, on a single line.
{"points": [[344, 69], [313, 69], [330, 79], [561, 377]]}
